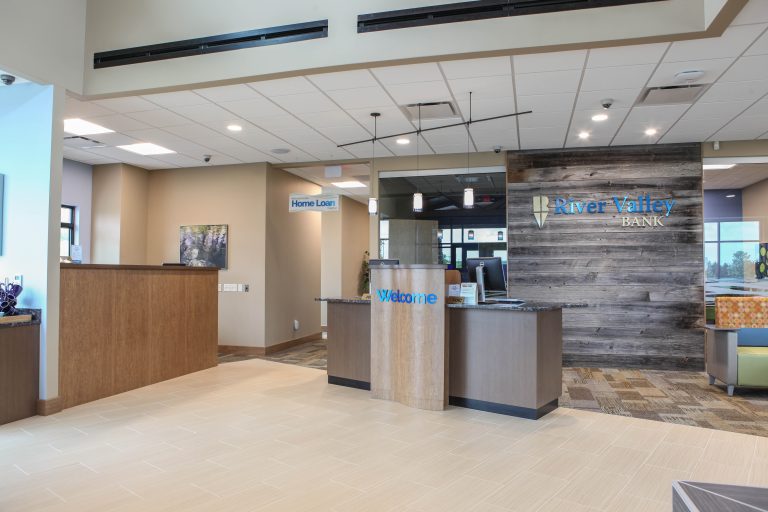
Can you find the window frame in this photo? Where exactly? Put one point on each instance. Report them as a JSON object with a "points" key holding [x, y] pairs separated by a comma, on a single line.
{"points": [[70, 226]]}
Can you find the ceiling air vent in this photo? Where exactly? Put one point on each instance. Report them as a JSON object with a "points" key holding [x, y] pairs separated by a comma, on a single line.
{"points": [[212, 44], [671, 95], [433, 110], [80, 142], [478, 10]]}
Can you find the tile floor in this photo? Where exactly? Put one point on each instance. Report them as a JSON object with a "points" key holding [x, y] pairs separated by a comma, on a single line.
{"points": [[262, 436]]}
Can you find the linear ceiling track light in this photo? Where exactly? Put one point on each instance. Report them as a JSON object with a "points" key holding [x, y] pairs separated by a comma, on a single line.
{"points": [[469, 192], [373, 202], [373, 206], [419, 130]]}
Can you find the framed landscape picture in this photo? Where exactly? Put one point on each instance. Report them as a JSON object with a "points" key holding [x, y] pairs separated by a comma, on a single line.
{"points": [[204, 245]]}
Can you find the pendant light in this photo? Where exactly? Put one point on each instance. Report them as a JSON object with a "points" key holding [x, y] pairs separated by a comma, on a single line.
{"points": [[469, 192], [418, 199], [373, 202]]}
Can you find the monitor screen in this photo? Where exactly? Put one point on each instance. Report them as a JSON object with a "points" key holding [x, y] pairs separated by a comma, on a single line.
{"points": [[493, 272]]}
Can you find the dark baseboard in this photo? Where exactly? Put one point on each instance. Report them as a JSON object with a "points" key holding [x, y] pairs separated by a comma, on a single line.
{"points": [[350, 383], [509, 410], [50, 406]]}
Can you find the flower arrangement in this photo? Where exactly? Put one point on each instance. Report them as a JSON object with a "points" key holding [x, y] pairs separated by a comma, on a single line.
{"points": [[9, 293]]}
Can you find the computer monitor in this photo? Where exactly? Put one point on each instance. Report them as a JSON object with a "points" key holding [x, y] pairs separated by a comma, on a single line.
{"points": [[375, 263], [493, 273]]}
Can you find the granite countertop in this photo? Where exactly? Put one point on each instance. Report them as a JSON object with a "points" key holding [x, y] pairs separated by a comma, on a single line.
{"points": [[525, 306], [36, 313]]}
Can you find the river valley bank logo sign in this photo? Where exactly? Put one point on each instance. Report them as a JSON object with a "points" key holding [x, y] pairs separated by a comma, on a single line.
{"points": [[640, 212]]}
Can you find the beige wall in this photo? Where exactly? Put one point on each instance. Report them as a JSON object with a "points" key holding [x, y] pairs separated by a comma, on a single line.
{"points": [[330, 259], [133, 217], [116, 24], [105, 221], [354, 244], [292, 261], [754, 204], [234, 195]]}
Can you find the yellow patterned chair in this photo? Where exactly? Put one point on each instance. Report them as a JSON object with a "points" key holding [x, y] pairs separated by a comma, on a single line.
{"points": [[736, 350]]}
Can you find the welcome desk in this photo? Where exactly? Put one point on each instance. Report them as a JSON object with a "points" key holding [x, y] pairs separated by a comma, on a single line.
{"points": [[417, 350]]}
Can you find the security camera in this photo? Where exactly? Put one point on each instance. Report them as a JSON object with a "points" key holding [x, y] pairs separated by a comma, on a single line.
{"points": [[7, 79], [207, 158], [607, 103], [497, 149]]}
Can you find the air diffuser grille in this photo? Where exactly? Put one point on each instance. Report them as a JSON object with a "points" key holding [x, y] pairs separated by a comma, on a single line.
{"points": [[671, 95]]}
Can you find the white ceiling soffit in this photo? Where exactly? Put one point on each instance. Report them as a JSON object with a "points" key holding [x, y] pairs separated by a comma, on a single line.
{"points": [[735, 178], [311, 115]]}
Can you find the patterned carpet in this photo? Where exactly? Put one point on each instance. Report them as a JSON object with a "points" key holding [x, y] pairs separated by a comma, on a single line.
{"points": [[670, 396]]}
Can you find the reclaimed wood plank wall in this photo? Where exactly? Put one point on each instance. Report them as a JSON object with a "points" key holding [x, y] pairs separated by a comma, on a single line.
{"points": [[644, 286]]}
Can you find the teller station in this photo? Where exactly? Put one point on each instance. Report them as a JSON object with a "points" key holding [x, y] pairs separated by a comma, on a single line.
{"points": [[407, 344]]}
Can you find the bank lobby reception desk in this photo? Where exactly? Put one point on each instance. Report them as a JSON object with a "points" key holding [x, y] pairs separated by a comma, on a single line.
{"points": [[406, 344]]}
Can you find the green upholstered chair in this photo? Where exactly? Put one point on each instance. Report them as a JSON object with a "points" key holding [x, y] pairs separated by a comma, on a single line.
{"points": [[737, 357]]}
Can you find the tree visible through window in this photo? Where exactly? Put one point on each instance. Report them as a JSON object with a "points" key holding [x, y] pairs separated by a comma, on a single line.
{"points": [[67, 235], [730, 249]]}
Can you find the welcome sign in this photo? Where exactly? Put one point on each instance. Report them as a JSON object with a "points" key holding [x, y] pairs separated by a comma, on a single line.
{"points": [[318, 203], [635, 211]]}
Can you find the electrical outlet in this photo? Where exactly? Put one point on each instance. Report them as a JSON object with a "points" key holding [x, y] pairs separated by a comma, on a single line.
{"points": [[296, 325]]}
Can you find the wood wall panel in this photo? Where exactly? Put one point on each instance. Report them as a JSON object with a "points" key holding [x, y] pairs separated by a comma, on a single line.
{"points": [[643, 286], [19, 372], [126, 327]]}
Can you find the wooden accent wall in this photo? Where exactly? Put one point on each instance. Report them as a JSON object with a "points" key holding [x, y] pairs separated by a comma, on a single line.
{"points": [[122, 328], [644, 286], [19, 371]]}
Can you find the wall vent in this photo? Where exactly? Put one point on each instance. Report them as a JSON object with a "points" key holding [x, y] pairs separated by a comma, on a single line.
{"points": [[432, 110], [671, 95], [212, 44], [477, 10], [80, 142]]}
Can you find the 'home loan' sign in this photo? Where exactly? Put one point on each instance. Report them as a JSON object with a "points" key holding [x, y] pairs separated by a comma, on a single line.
{"points": [[319, 203]]}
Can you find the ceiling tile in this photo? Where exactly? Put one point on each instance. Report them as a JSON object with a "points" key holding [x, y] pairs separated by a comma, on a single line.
{"points": [[320, 120], [546, 102], [626, 55], [366, 97], [355, 79], [175, 99], [731, 44], [408, 74], [237, 92], [582, 121], [744, 126], [392, 120], [305, 103], [127, 104], [482, 87], [622, 98], [693, 130], [760, 47], [547, 83], [115, 139], [542, 138], [283, 86], [160, 118], [207, 114], [665, 73], [731, 109], [732, 91], [180, 160], [616, 77], [554, 61], [758, 109], [119, 123], [545, 119], [171, 141], [81, 109], [255, 108], [746, 69], [487, 107], [470, 68], [419, 92]]}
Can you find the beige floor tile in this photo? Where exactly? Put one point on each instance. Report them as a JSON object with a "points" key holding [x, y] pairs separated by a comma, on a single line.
{"points": [[563, 463], [526, 491], [758, 473], [716, 472], [655, 483], [558, 505], [593, 487], [726, 449], [396, 494], [625, 502], [624, 461], [590, 441], [640, 438], [689, 436], [460, 496], [675, 456], [501, 467], [438, 471]]}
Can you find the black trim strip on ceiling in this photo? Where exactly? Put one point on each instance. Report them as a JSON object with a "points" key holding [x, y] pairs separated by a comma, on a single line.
{"points": [[477, 10], [212, 44]]}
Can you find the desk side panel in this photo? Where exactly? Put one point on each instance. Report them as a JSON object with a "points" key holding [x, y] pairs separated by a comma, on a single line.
{"points": [[349, 341]]}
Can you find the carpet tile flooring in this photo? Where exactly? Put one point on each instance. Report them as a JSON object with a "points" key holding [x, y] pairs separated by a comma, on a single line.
{"points": [[259, 436]]}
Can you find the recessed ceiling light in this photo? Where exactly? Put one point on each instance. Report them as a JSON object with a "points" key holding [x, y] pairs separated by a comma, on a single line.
{"points": [[651, 132], [349, 184], [83, 127], [403, 141], [599, 117], [731, 196], [583, 135], [280, 151], [235, 128], [717, 167], [147, 148]]}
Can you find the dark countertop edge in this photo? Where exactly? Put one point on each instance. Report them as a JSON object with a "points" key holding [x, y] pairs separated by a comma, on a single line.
{"points": [[78, 266], [36, 314], [525, 307]]}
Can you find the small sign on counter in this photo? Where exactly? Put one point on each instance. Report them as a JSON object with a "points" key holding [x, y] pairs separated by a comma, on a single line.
{"points": [[469, 293]]}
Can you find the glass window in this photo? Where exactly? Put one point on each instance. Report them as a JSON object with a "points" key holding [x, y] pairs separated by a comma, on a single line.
{"points": [[473, 254], [384, 249], [710, 231], [384, 230], [444, 236], [501, 254], [711, 259], [67, 234], [737, 259], [737, 231], [445, 255], [456, 236], [459, 259]]}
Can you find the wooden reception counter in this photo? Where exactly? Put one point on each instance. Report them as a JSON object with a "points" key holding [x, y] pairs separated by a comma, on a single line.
{"points": [[501, 358], [127, 326]]}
